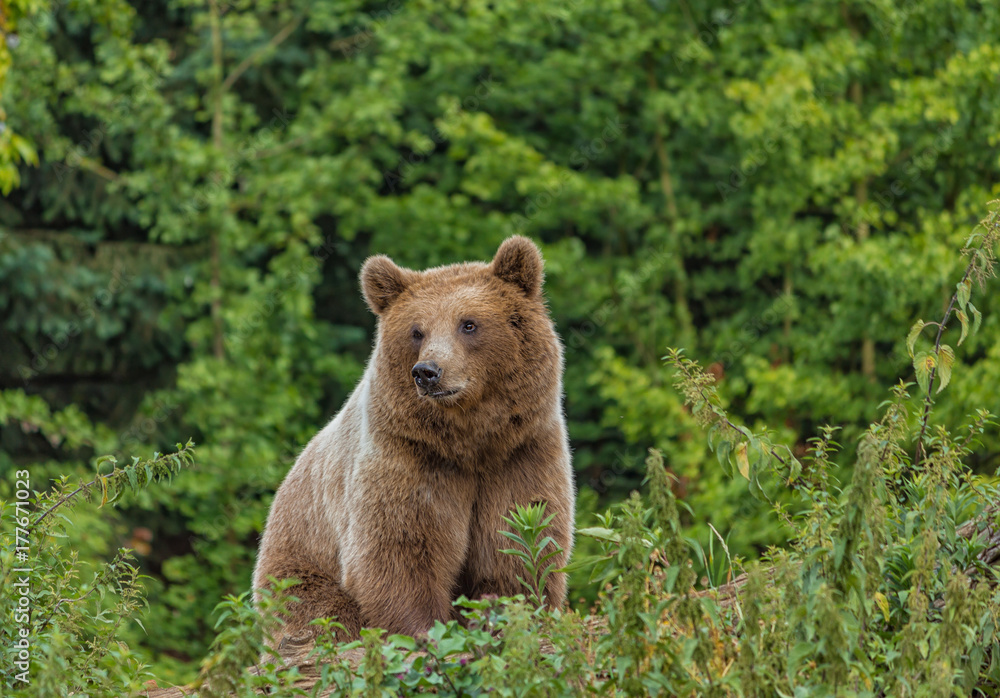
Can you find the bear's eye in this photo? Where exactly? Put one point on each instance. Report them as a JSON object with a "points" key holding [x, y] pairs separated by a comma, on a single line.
{"points": [[468, 327], [417, 334]]}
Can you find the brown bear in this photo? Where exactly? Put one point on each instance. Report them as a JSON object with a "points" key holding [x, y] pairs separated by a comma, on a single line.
{"points": [[393, 510]]}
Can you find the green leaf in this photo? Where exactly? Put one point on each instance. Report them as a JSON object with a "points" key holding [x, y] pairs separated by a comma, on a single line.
{"points": [[742, 461], [977, 318], [911, 338], [544, 542], [101, 460], [436, 631], [800, 652], [117, 495], [722, 452], [946, 359], [514, 537], [517, 553], [25, 150], [450, 645], [756, 491], [583, 562], [963, 291], [600, 534], [924, 363], [883, 603], [964, 319], [548, 556], [103, 482], [404, 641]]}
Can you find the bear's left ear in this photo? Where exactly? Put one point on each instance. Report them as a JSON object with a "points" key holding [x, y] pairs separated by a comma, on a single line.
{"points": [[520, 262], [382, 282]]}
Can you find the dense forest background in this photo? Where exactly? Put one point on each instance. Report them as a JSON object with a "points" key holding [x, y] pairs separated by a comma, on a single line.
{"points": [[191, 187]]}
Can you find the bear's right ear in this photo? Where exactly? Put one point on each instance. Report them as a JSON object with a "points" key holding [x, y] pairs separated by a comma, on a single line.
{"points": [[382, 282]]}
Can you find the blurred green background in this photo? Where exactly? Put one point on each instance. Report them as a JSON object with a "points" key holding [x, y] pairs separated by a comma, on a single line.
{"points": [[779, 187]]}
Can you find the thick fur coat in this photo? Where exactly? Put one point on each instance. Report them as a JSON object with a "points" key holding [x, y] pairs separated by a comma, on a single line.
{"points": [[393, 510]]}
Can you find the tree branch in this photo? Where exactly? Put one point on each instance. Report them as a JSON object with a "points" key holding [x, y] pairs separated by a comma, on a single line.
{"points": [[748, 434], [183, 453], [667, 185], [349, 42], [247, 62], [218, 344], [928, 398], [99, 170]]}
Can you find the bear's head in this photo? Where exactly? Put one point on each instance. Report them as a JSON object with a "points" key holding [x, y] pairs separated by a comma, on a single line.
{"points": [[463, 341]]}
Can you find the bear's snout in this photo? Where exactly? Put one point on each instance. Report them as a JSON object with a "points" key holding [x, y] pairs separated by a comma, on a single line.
{"points": [[426, 374]]}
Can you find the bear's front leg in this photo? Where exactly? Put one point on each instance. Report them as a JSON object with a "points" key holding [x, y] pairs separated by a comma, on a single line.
{"points": [[407, 542], [539, 472]]}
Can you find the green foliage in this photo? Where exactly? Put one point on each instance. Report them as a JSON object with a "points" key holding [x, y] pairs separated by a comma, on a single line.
{"points": [[495, 650], [63, 621], [662, 638], [886, 588], [879, 594], [247, 630], [191, 187]]}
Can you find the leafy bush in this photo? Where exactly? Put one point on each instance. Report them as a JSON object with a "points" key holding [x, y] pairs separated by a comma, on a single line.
{"points": [[772, 185], [62, 622], [886, 589]]}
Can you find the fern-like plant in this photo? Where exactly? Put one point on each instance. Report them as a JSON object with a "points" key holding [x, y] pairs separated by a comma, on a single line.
{"points": [[535, 548]]}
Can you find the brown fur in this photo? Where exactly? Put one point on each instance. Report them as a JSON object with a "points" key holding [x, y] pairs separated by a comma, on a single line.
{"points": [[392, 510]]}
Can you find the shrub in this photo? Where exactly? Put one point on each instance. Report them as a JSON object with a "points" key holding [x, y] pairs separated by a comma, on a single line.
{"points": [[61, 621], [887, 587]]}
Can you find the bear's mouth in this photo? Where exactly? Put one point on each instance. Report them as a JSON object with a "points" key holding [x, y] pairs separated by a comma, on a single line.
{"points": [[438, 394]]}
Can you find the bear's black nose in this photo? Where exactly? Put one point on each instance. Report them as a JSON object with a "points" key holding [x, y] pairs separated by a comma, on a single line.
{"points": [[426, 373]]}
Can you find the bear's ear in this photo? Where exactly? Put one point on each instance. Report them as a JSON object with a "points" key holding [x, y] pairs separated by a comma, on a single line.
{"points": [[382, 282], [520, 262]]}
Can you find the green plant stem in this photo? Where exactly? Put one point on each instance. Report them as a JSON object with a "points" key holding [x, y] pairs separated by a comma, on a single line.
{"points": [[737, 429], [928, 397], [182, 453]]}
